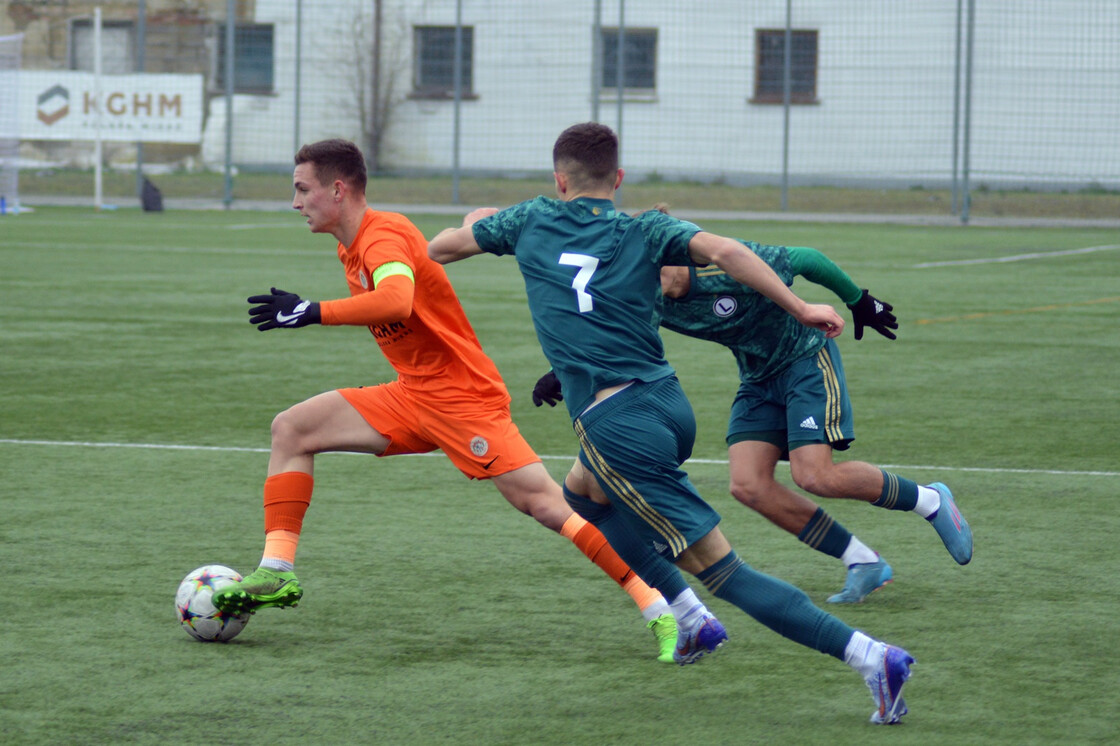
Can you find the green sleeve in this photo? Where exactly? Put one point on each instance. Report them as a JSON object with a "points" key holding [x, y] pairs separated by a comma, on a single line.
{"points": [[816, 267]]}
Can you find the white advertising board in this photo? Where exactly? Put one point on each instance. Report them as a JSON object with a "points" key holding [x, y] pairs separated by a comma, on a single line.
{"points": [[141, 107]]}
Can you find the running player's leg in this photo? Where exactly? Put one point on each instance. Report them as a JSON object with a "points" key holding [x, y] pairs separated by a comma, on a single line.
{"points": [[327, 422], [807, 399], [688, 615], [753, 483], [788, 611], [819, 420], [590, 507], [628, 442], [633, 443], [534, 492], [484, 443]]}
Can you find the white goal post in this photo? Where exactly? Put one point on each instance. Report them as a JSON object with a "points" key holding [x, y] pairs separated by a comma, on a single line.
{"points": [[10, 55]]}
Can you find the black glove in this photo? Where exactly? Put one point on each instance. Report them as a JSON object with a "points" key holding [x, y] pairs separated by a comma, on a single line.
{"points": [[872, 312], [282, 309], [547, 390]]}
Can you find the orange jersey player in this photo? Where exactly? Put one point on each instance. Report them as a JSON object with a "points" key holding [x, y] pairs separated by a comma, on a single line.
{"points": [[431, 345], [448, 393]]}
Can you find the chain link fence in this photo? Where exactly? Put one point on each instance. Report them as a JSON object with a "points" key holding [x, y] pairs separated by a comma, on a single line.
{"points": [[960, 95]]}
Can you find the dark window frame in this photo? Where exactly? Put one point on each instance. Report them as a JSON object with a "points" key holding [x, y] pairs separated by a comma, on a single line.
{"points": [[769, 61], [640, 75], [428, 80], [255, 77]]}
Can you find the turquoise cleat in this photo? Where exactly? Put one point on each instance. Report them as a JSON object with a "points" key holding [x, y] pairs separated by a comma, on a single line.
{"points": [[951, 526], [862, 580]]}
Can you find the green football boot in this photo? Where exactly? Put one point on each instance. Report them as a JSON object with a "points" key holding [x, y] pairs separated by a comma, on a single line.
{"points": [[664, 628], [260, 589]]}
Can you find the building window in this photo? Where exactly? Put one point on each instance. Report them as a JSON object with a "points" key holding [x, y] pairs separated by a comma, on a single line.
{"points": [[433, 74], [769, 64], [639, 71], [118, 48], [252, 58]]}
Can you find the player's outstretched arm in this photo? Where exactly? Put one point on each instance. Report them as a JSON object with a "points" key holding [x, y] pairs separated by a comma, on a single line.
{"points": [[867, 310], [746, 267], [389, 301], [453, 244]]}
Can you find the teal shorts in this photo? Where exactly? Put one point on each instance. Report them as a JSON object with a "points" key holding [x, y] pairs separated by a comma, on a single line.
{"points": [[805, 404], [634, 443]]}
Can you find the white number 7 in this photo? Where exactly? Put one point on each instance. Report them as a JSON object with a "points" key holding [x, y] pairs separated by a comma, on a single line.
{"points": [[587, 266]]}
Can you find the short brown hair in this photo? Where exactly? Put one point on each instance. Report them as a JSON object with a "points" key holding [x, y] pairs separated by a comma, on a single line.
{"points": [[661, 207], [588, 153], [336, 159]]}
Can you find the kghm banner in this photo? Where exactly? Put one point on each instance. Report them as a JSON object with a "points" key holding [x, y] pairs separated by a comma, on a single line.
{"points": [[141, 107]]}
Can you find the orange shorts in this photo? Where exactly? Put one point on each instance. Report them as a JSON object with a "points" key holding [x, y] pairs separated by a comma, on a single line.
{"points": [[482, 443]]}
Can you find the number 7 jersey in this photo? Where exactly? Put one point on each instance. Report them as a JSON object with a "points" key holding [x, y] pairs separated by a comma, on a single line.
{"points": [[592, 277]]}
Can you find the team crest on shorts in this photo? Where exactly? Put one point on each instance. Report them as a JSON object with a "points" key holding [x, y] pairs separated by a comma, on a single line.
{"points": [[363, 279], [724, 306], [479, 446]]}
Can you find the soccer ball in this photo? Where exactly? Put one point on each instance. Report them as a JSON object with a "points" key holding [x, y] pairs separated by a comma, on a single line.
{"points": [[197, 614]]}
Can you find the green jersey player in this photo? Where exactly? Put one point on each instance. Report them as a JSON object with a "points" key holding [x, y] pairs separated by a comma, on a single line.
{"points": [[793, 404], [591, 275]]}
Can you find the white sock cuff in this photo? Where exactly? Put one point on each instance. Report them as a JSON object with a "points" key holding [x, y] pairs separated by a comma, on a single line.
{"points": [[858, 553], [686, 606], [929, 500], [861, 650]]}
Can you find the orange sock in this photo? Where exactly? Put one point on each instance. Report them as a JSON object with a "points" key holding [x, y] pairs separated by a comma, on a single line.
{"points": [[593, 544], [286, 498], [643, 595], [281, 545]]}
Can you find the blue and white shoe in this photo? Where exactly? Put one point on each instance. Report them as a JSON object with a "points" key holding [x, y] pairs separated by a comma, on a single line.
{"points": [[951, 526], [702, 638], [886, 686], [862, 580]]}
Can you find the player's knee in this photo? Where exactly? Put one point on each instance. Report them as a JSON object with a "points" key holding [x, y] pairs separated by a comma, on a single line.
{"points": [[814, 481], [541, 502], [285, 432], [750, 493]]}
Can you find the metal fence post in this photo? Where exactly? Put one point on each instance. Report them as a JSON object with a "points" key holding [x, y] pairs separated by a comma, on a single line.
{"points": [[966, 201], [787, 84], [231, 19], [457, 67], [141, 42]]}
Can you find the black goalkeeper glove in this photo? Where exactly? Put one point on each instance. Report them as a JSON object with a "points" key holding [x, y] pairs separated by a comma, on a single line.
{"points": [[281, 309], [872, 312], [547, 390]]}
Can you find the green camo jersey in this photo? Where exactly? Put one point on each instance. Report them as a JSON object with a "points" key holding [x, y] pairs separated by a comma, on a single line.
{"points": [[591, 275], [764, 338]]}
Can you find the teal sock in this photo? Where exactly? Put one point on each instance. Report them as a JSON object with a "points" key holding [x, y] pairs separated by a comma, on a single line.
{"points": [[776, 604], [898, 493], [824, 534], [657, 572]]}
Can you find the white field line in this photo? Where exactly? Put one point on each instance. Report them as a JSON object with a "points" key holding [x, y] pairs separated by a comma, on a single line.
{"points": [[240, 449], [1017, 257], [164, 249]]}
